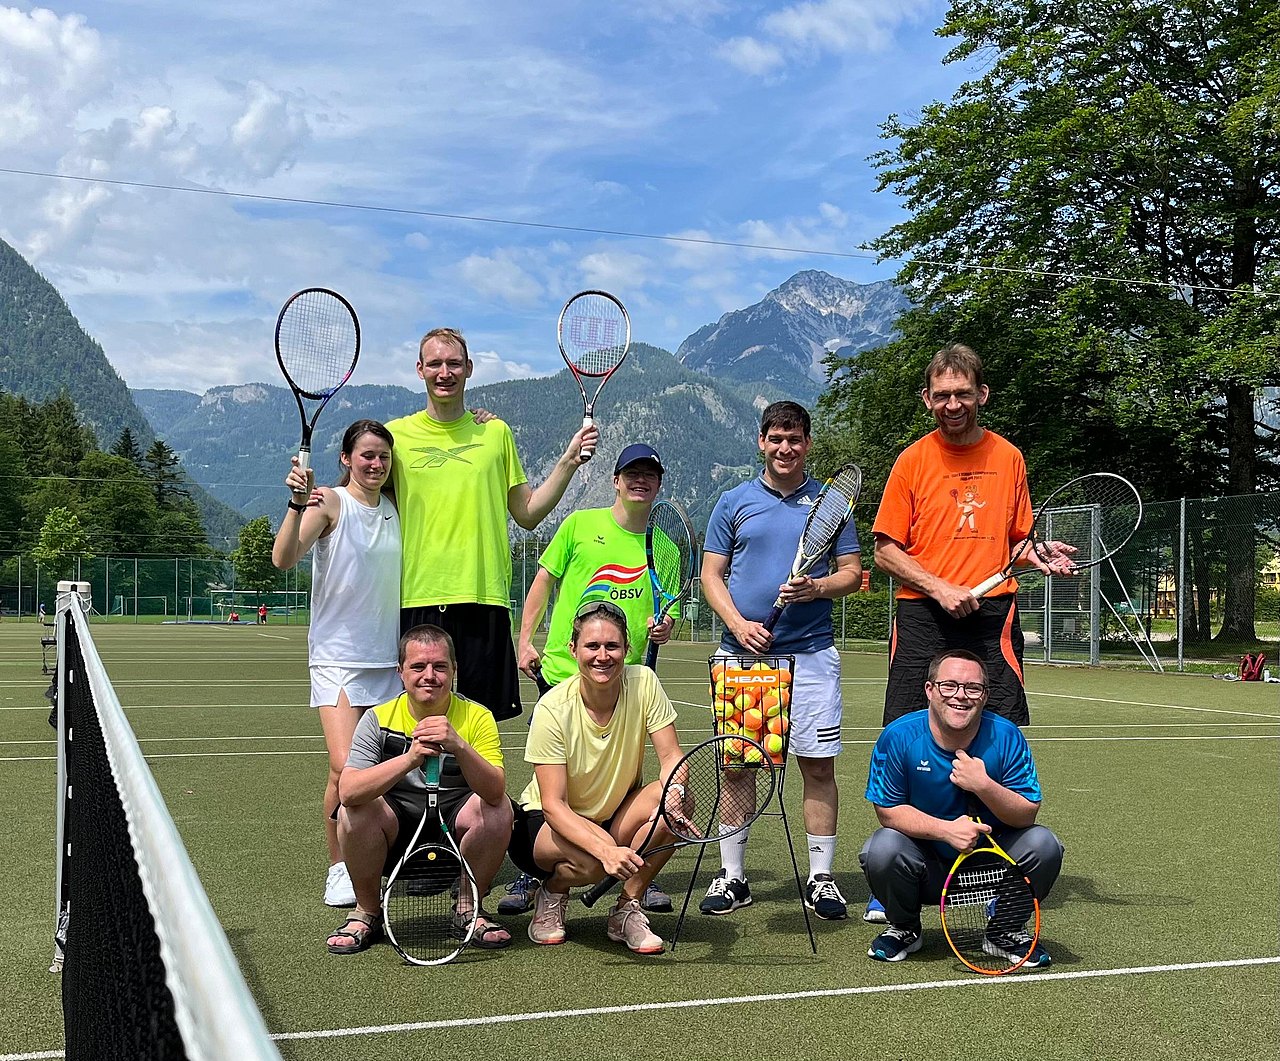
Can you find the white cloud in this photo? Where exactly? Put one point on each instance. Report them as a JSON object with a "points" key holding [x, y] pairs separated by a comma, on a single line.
{"points": [[750, 55], [491, 367], [616, 271], [270, 133], [501, 278]]}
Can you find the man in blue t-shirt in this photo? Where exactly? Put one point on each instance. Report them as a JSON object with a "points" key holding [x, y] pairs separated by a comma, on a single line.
{"points": [[746, 558], [932, 769]]}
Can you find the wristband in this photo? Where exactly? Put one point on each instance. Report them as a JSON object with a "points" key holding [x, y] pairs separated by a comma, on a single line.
{"points": [[297, 507]]}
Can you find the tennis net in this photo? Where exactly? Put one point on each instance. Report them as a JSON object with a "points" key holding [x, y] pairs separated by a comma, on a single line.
{"points": [[147, 971]]}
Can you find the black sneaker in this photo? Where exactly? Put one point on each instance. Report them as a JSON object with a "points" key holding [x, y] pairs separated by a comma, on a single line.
{"points": [[895, 943], [655, 900], [519, 897], [1015, 946], [823, 897], [725, 895]]}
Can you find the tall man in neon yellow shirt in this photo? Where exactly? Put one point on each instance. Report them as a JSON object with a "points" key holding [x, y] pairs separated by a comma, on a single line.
{"points": [[456, 481]]}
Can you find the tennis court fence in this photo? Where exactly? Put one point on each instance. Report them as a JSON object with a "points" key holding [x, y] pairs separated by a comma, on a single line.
{"points": [[147, 971]]}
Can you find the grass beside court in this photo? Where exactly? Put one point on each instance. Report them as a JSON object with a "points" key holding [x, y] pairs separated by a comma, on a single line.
{"points": [[1163, 788]]}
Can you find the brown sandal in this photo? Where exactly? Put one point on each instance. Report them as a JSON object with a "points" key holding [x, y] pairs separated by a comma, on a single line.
{"points": [[361, 929], [484, 936]]}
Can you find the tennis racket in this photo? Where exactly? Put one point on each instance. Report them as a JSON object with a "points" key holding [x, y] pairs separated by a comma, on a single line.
{"points": [[1089, 519], [423, 921], [594, 333], [718, 789], [827, 518], [669, 547], [543, 685], [317, 346], [986, 899]]}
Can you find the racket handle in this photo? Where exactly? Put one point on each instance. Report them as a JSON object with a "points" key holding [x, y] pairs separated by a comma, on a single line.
{"points": [[304, 464], [986, 586], [543, 685], [598, 891], [651, 657], [772, 619], [586, 454]]}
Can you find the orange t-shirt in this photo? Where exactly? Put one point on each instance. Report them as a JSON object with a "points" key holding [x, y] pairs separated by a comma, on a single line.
{"points": [[957, 510]]}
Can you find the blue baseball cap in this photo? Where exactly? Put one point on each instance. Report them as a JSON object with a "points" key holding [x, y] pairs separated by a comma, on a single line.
{"points": [[636, 452]]}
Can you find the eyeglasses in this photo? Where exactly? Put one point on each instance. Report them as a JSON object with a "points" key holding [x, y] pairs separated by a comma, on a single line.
{"points": [[594, 607], [972, 690]]}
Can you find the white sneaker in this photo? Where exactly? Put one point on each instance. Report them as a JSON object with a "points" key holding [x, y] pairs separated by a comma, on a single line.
{"points": [[338, 889]]}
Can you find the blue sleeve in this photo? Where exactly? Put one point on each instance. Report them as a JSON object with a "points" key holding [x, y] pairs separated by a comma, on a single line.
{"points": [[886, 781], [848, 540], [719, 537], [1018, 771]]}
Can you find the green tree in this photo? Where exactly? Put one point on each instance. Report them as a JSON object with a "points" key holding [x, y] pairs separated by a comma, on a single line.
{"points": [[1095, 213], [127, 447], [116, 505], [161, 467], [252, 557], [61, 539]]}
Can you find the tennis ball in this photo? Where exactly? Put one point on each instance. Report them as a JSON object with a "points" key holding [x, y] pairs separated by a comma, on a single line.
{"points": [[771, 703], [717, 672], [752, 721], [773, 745], [784, 677], [729, 725], [779, 725], [745, 701], [751, 754], [734, 747], [784, 697]]}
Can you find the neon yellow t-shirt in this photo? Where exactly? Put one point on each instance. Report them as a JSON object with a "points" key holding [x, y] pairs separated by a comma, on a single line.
{"points": [[595, 559], [603, 763], [451, 482]]}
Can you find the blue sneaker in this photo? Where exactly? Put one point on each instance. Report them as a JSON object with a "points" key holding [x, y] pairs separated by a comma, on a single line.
{"points": [[823, 897], [725, 895], [519, 897], [895, 943], [1015, 946], [874, 913]]}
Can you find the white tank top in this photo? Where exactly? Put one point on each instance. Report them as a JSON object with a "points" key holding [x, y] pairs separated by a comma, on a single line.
{"points": [[355, 587]]}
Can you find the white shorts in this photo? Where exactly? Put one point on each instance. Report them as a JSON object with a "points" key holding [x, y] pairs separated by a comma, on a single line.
{"points": [[365, 686], [816, 706]]}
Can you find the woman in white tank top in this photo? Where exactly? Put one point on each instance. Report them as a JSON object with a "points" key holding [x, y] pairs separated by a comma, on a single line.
{"points": [[355, 602]]}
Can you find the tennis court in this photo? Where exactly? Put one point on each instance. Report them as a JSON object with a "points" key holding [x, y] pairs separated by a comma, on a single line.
{"points": [[1164, 928]]}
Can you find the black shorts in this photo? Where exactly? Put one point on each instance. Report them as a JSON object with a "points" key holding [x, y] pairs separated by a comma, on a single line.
{"points": [[922, 629], [408, 815], [520, 851], [481, 635]]}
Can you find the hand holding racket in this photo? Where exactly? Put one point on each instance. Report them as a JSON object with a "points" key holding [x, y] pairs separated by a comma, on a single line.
{"points": [[594, 333], [989, 910], [716, 790], [1078, 526], [423, 921], [827, 518], [670, 546], [317, 347]]}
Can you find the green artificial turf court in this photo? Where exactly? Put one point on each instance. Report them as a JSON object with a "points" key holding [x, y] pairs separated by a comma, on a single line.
{"points": [[1164, 928]]}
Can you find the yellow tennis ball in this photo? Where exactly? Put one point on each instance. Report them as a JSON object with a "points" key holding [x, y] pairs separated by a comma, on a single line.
{"points": [[771, 703], [773, 745], [744, 701]]}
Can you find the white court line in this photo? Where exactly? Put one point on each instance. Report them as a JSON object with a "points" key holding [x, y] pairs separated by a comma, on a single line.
{"points": [[990, 982], [1144, 703]]}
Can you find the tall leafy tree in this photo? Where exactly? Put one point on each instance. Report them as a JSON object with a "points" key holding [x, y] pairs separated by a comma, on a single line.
{"points": [[252, 557], [62, 538], [1098, 213]]}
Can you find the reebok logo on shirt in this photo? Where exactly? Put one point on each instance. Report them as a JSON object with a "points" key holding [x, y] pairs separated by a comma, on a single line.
{"points": [[436, 457]]}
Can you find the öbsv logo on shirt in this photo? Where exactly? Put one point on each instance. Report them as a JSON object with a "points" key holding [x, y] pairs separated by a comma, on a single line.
{"points": [[435, 457]]}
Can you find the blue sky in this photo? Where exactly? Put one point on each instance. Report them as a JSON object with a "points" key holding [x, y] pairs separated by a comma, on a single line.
{"points": [[747, 123]]}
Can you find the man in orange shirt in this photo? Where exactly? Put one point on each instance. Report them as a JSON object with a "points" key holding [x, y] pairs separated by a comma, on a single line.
{"points": [[955, 505]]}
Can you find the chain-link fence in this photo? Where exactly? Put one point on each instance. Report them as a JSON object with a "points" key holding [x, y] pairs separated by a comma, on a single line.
{"points": [[1200, 580]]}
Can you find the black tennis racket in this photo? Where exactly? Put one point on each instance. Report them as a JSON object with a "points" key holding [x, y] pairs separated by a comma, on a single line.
{"points": [[317, 346], [543, 685], [1088, 520], [594, 333], [670, 548], [716, 790], [827, 518], [424, 921], [989, 910]]}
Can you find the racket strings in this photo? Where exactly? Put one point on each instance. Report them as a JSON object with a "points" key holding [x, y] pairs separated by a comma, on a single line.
{"points": [[420, 904], [317, 343], [672, 550], [1096, 515], [987, 900], [594, 334], [831, 511], [721, 792]]}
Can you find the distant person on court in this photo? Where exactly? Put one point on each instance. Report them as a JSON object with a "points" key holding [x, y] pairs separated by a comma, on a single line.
{"points": [[355, 602], [750, 544], [456, 480], [596, 554], [262, 614], [927, 767], [588, 809], [383, 789]]}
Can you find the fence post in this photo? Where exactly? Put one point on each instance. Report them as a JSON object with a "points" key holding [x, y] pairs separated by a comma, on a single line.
{"points": [[1182, 577]]}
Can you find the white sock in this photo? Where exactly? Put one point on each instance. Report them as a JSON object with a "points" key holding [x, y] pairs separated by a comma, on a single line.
{"points": [[733, 854], [822, 854]]}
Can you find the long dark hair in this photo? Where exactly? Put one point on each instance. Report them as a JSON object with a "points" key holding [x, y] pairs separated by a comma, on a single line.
{"points": [[352, 435]]}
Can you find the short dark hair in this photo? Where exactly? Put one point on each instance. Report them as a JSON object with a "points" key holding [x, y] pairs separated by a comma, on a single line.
{"points": [[451, 335], [786, 415], [936, 663], [958, 358], [427, 634]]}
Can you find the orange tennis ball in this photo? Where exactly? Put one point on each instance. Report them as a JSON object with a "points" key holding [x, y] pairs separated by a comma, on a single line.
{"points": [[771, 703], [752, 720], [751, 754], [784, 677], [773, 745], [744, 701], [779, 725], [717, 672]]}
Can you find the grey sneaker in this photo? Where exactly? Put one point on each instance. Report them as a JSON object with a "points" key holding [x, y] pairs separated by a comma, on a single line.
{"points": [[547, 926], [627, 924], [519, 897], [655, 900]]}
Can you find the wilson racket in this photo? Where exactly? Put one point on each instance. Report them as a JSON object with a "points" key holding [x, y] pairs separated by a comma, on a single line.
{"points": [[718, 789], [1089, 519], [989, 911], [594, 333], [827, 518], [424, 921], [670, 548], [317, 346]]}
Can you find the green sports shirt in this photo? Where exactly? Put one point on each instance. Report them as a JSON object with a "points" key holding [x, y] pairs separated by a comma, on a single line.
{"points": [[451, 482], [595, 559]]}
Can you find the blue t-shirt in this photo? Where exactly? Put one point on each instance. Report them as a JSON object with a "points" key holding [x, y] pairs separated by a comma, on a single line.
{"points": [[908, 768], [758, 530]]}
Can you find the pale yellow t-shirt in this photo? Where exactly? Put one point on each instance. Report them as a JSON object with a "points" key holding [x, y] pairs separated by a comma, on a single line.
{"points": [[603, 763]]}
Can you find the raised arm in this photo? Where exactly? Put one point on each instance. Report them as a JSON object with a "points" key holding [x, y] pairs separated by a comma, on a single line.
{"points": [[528, 505]]}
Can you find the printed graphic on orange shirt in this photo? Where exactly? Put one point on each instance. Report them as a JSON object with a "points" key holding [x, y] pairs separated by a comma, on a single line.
{"points": [[968, 502]]}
